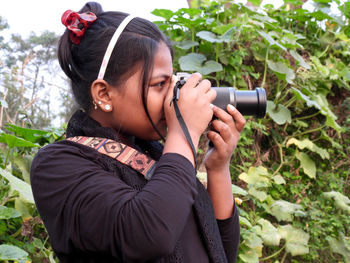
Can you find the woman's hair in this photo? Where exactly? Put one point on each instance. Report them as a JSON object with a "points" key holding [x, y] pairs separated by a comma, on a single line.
{"points": [[137, 45]]}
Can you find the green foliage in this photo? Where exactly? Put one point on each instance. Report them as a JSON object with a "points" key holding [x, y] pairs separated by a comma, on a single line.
{"points": [[23, 237], [292, 166]]}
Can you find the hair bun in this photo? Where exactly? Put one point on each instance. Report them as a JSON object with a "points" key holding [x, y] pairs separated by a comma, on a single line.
{"points": [[93, 7]]}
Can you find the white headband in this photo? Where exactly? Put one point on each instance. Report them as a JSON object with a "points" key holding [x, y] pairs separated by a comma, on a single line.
{"points": [[111, 45]]}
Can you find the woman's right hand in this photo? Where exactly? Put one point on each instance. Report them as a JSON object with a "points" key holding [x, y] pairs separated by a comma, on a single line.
{"points": [[194, 104]]}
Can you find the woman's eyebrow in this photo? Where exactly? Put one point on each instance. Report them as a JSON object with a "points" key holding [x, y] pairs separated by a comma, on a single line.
{"points": [[161, 76]]}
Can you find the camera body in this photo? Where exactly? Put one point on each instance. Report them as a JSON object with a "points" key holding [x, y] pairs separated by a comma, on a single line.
{"points": [[247, 102]]}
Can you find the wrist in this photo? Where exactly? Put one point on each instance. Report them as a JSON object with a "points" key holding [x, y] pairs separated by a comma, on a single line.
{"points": [[218, 170], [176, 142]]}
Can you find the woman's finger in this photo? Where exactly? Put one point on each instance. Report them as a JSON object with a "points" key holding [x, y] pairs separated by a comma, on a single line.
{"points": [[218, 142], [222, 129], [240, 121], [204, 86], [193, 80]]}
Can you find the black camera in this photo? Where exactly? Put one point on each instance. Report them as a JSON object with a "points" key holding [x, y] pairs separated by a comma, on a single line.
{"points": [[247, 102]]}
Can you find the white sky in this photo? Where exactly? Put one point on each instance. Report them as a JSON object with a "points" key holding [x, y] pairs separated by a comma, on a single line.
{"points": [[25, 16]]}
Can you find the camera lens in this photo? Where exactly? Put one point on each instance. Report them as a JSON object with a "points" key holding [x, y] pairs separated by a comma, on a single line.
{"points": [[247, 102]]}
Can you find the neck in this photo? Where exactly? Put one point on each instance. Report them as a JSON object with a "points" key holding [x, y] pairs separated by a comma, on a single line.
{"points": [[103, 120]]}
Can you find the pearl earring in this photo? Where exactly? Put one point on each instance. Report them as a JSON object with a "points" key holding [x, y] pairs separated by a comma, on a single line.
{"points": [[107, 107]]}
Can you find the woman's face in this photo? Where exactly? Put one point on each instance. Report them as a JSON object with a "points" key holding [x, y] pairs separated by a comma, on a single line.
{"points": [[129, 116]]}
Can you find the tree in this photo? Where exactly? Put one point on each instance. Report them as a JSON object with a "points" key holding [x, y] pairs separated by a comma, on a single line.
{"points": [[27, 64]]}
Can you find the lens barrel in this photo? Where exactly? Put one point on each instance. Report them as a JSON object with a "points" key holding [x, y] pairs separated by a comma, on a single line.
{"points": [[247, 102]]}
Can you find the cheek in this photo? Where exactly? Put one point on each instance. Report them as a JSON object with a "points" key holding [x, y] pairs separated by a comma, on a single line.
{"points": [[155, 102]]}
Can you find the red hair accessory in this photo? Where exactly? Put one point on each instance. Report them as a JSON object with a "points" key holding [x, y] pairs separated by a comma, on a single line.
{"points": [[77, 24]]}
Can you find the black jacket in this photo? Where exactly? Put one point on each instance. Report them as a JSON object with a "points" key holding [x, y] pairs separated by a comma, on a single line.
{"points": [[99, 210]]}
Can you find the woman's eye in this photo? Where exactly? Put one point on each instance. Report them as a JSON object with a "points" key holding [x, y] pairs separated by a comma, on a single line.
{"points": [[160, 84]]}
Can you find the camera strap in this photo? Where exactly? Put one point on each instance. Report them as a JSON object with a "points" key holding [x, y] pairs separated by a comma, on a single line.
{"points": [[120, 152], [176, 96]]}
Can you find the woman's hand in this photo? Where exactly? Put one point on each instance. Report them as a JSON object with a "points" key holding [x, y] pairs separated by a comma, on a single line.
{"points": [[224, 136], [195, 107]]}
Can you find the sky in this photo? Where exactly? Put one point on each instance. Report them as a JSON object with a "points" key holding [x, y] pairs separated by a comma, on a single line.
{"points": [[25, 16]]}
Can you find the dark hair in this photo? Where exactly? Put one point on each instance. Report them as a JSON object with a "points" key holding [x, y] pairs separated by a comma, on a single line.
{"points": [[137, 44]]}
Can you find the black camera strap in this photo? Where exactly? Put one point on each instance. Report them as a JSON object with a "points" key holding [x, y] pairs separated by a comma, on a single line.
{"points": [[176, 96]]}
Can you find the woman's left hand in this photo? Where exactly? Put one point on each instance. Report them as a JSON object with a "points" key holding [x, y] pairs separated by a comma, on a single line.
{"points": [[224, 135]]}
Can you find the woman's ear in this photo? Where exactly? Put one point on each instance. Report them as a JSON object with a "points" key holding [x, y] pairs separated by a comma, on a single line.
{"points": [[101, 95]]}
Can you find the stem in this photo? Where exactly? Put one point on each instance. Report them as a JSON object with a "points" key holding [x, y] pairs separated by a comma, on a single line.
{"points": [[310, 131], [8, 199], [284, 257], [7, 157], [283, 96], [325, 51], [43, 247], [192, 39], [17, 232], [273, 255], [281, 157], [307, 117], [290, 102], [217, 52], [265, 70]]}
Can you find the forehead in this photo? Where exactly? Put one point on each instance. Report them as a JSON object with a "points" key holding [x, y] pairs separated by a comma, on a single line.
{"points": [[163, 63]]}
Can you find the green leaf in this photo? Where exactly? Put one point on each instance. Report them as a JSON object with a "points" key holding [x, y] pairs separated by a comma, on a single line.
{"points": [[190, 11], [279, 179], [254, 242], [24, 189], [283, 69], [319, 67], [307, 164], [236, 190], [271, 41], [269, 233], [306, 143], [186, 44], [165, 13], [319, 101], [9, 252], [300, 59], [26, 209], [195, 62], [222, 29], [249, 256], [341, 201], [23, 163], [319, 15], [260, 195], [296, 240], [14, 141], [280, 114], [255, 2], [256, 177], [209, 36], [294, 2], [31, 135], [8, 212], [284, 211], [309, 102], [340, 246], [244, 221]]}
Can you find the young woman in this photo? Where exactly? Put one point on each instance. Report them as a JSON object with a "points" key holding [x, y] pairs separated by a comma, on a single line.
{"points": [[99, 209]]}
